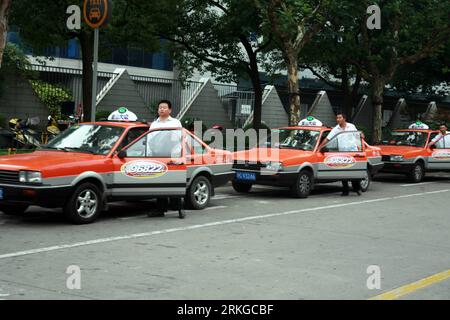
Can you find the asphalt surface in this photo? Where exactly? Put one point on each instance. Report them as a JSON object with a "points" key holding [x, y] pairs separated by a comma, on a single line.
{"points": [[264, 245]]}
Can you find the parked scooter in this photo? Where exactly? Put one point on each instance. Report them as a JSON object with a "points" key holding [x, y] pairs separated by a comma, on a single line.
{"points": [[52, 130], [25, 137]]}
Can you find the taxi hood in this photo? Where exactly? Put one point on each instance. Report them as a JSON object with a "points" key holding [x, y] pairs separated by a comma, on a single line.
{"points": [[399, 150], [270, 155], [39, 160]]}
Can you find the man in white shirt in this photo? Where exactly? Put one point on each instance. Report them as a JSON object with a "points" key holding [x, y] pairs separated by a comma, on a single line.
{"points": [[342, 126], [442, 140], [166, 121], [346, 142]]}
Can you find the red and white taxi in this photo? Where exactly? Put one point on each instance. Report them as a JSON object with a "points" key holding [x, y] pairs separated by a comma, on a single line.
{"points": [[291, 158], [91, 164], [406, 152]]}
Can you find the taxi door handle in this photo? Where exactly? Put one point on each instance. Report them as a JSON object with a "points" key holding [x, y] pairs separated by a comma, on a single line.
{"points": [[172, 163], [360, 155]]}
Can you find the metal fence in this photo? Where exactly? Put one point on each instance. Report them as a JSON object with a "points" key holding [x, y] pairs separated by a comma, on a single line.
{"points": [[65, 85], [154, 89], [239, 103]]}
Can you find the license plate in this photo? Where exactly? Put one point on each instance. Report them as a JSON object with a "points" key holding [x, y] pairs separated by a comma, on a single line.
{"points": [[1, 193], [246, 176]]}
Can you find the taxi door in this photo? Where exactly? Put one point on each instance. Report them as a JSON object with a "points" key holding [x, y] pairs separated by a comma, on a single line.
{"points": [[152, 166], [439, 156], [343, 158]]}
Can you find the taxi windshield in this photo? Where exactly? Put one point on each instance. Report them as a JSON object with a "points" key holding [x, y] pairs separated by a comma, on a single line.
{"points": [[406, 138], [305, 140], [95, 139]]}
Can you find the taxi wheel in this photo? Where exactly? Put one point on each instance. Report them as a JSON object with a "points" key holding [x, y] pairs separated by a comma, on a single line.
{"points": [[417, 173], [199, 193], [365, 183], [13, 210], [84, 205], [241, 187], [304, 185]]}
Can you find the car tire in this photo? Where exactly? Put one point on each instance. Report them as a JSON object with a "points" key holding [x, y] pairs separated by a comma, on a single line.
{"points": [[199, 193], [13, 209], [84, 205], [241, 187], [417, 173], [303, 185], [365, 183]]}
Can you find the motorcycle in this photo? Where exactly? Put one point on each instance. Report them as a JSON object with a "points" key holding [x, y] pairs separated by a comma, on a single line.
{"points": [[24, 135], [52, 130]]}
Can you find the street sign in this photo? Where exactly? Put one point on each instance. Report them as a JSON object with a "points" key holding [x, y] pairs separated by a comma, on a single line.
{"points": [[97, 12], [246, 109]]}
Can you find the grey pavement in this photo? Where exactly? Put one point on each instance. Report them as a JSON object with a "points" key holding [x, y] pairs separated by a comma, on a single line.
{"points": [[264, 245]]}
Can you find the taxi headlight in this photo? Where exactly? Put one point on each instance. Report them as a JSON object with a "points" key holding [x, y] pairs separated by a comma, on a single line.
{"points": [[30, 177], [274, 166], [397, 158]]}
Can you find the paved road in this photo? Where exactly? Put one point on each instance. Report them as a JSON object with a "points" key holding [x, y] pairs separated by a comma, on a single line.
{"points": [[261, 246]]}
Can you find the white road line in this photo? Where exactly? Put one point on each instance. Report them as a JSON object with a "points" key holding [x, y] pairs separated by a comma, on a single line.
{"points": [[206, 225], [214, 208], [416, 184], [222, 197]]}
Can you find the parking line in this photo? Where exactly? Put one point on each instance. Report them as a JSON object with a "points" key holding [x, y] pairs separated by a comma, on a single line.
{"points": [[412, 287], [206, 225], [416, 184]]}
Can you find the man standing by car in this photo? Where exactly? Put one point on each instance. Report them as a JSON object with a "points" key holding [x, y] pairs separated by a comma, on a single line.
{"points": [[166, 121], [442, 140], [348, 145]]}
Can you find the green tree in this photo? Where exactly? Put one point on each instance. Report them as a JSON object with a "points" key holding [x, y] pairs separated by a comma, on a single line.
{"points": [[42, 24], [411, 30], [4, 12], [293, 24], [223, 37]]}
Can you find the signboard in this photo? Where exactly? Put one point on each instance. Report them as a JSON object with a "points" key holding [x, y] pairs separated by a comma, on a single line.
{"points": [[246, 109], [97, 12]]}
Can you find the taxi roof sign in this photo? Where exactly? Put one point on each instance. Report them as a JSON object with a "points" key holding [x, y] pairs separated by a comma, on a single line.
{"points": [[419, 125], [123, 114], [310, 121]]}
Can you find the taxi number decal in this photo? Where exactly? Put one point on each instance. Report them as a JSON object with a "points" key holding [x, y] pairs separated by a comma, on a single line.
{"points": [[144, 169], [340, 162], [441, 155]]}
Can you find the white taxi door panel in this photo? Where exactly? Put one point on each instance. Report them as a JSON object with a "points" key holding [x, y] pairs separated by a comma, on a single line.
{"points": [[153, 166], [439, 157], [343, 158]]}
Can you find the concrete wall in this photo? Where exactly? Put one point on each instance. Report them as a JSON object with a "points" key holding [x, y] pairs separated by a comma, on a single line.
{"points": [[323, 110], [273, 112], [124, 93], [208, 107], [18, 100], [364, 117]]}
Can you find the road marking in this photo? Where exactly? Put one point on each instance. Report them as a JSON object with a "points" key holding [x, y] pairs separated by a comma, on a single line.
{"points": [[222, 197], [214, 208], [415, 184], [410, 288], [206, 225]]}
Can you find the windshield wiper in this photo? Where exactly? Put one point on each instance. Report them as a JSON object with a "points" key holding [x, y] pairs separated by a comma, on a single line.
{"points": [[69, 149]]}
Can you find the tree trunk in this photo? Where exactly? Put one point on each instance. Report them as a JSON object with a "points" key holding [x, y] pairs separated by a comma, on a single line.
{"points": [[87, 52], [4, 9], [377, 87], [293, 87]]}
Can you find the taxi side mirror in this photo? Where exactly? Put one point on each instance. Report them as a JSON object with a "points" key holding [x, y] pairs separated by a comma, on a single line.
{"points": [[122, 154]]}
